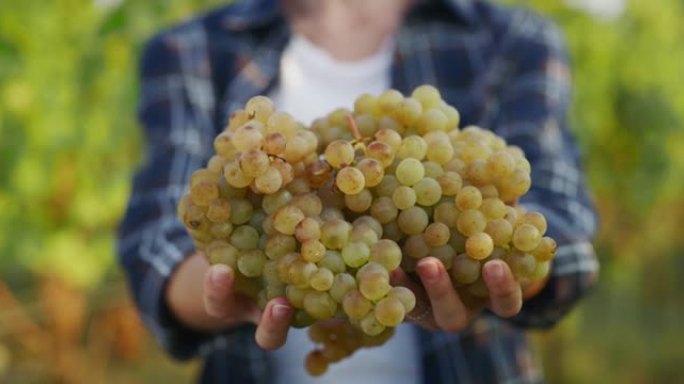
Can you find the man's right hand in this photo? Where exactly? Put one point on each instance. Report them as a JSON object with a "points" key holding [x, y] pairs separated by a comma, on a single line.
{"points": [[216, 306]]}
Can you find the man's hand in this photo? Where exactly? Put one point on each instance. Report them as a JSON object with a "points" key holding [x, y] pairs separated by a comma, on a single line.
{"points": [[438, 305], [217, 306]]}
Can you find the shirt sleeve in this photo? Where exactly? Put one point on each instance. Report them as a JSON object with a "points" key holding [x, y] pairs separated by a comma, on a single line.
{"points": [[533, 115], [152, 242]]}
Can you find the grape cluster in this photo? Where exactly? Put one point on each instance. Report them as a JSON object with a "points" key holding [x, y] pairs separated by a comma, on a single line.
{"points": [[322, 216]]}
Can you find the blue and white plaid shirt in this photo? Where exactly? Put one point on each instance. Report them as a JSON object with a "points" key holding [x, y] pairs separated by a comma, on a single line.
{"points": [[503, 68]]}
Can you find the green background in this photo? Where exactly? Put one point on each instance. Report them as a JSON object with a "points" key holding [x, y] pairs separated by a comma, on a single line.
{"points": [[69, 143]]}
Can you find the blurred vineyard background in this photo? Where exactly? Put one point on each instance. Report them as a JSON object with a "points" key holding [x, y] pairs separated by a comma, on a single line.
{"points": [[69, 143]]}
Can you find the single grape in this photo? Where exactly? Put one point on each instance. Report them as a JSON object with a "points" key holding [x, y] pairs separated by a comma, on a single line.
{"points": [[386, 253], [384, 210], [279, 245], [322, 279], [465, 270], [342, 284], [248, 136], [372, 170], [546, 249], [339, 153], [389, 311], [409, 171], [412, 147], [413, 221], [355, 254], [245, 238], [269, 182], [479, 246], [468, 197], [286, 219], [526, 237], [359, 202], [404, 197], [500, 230], [335, 233], [428, 192], [405, 296], [350, 180], [251, 263], [355, 305], [436, 234]]}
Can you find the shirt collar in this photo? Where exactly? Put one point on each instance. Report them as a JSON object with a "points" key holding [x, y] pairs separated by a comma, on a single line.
{"points": [[246, 14]]}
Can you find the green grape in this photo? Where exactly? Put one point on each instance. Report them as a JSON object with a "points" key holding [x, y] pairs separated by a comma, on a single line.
{"points": [[300, 272], [540, 271], [342, 283], [413, 221], [416, 247], [218, 211], [318, 173], [432, 169], [333, 261], [468, 197], [350, 180], [372, 170], [269, 182], [330, 213], [286, 219], [436, 234], [470, 222], [215, 165], [455, 165], [413, 147], [373, 281], [260, 107], [387, 122], [221, 230], [534, 218], [445, 254], [451, 183], [296, 149], [428, 96], [389, 311], [526, 237], [370, 222], [355, 305], [474, 151], [257, 220], [355, 254], [254, 162], [320, 305], [440, 151], [389, 100], [465, 270], [432, 120], [248, 136], [387, 186], [270, 275], [313, 250], [391, 231], [479, 246], [204, 193], [335, 233], [500, 230], [272, 202], [308, 229], [251, 263], [404, 197], [359, 202], [408, 111], [386, 253], [278, 245], [446, 213], [384, 210], [339, 153], [283, 123], [389, 137], [405, 296], [428, 191], [493, 208], [546, 249], [285, 169], [234, 175], [366, 125], [514, 185], [309, 203], [381, 152], [522, 264], [410, 171], [365, 103], [477, 173], [274, 143], [322, 279], [371, 326], [296, 295], [245, 238], [363, 234], [221, 252], [453, 116], [500, 164], [283, 265], [223, 145]]}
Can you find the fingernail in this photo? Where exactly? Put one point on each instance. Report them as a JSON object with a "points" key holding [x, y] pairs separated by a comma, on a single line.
{"points": [[495, 271], [430, 270], [218, 275], [281, 312]]}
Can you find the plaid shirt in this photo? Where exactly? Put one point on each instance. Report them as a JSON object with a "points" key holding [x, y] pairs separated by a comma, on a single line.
{"points": [[505, 69]]}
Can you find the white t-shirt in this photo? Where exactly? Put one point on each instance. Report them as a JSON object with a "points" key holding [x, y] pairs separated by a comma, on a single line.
{"points": [[312, 83]]}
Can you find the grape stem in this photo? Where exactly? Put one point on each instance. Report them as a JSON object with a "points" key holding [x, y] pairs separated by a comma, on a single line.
{"points": [[354, 129]]}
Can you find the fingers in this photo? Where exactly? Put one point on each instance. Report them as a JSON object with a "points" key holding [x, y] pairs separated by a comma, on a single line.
{"points": [[504, 292], [449, 311], [271, 332], [218, 290], [422, 312]]}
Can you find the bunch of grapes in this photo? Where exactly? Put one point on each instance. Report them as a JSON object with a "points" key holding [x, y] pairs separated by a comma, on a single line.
{"points": [[321, 216]]}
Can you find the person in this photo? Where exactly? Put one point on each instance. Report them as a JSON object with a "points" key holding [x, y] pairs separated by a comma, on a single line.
{"points": [[504, 68]]}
